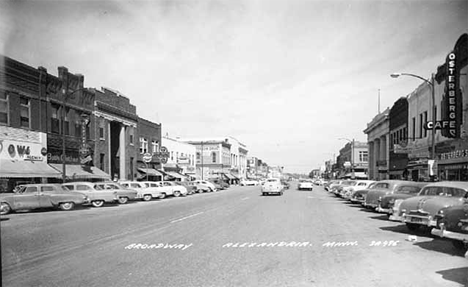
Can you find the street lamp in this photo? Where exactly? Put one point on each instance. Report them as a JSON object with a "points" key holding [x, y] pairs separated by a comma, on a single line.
{"points": [[352, 155], [431, 84]]}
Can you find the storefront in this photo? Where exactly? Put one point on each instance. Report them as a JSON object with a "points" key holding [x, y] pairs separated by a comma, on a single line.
{"points": [[452, 160], [24, 161]]}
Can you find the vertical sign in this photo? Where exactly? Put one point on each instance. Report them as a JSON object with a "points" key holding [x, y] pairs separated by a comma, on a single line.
{"points": [[452, 97]]}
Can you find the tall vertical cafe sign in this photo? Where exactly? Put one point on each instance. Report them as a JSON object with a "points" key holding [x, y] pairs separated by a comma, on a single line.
{"points": [[452, 98]]}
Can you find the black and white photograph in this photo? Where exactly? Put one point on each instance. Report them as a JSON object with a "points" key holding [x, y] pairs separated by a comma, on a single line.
{"points": [[234, 143]]}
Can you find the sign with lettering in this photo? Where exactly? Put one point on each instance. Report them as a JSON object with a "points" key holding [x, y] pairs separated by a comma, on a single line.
{"points": [[452, 112], [21, 151], [162, 155]]}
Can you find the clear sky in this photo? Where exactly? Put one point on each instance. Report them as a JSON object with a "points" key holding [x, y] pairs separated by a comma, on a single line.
{"points": [[287, 78]]}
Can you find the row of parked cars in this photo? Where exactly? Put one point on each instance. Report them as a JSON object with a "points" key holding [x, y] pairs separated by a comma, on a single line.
{"points": [[68, 195], [438, 207]]}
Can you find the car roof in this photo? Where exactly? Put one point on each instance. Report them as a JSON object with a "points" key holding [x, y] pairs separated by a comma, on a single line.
{"points": [[456, 184]]}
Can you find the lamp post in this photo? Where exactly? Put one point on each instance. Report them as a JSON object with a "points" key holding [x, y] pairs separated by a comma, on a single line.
{"points": [[65, 97], [352, 155], [432, 85]]}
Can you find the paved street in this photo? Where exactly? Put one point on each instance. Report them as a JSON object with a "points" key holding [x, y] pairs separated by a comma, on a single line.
{"points": [[228, 238]]}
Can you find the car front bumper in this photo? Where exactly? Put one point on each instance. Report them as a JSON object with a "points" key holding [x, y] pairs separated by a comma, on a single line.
{"points": [[450, 234]]}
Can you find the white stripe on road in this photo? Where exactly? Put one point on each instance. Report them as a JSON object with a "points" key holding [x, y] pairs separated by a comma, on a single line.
{"points": [[183, 218], [244, 198]]}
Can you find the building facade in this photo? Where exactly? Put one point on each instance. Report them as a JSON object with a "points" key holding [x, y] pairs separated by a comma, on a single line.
{"points": [[116, 129], [182, 156], [149, 142], [398, 148], [377, 139]]}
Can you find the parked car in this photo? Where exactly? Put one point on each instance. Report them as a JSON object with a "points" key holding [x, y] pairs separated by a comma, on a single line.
{"points": [[452, 223], [347, 191], [337, 189], [125, 194], [359, 196], [204, 186], [421, 210], [36, 196], [96, 194], [272, 185], [386, 187], [285, 184], [248, 182], [330, 187], [219, 184], [305, 184], [145, 190], [387, 202], [170, 188], [191, 188]]}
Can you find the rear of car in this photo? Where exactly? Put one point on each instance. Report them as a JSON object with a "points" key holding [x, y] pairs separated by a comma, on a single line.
{"points": [[305, 185], [272, 186]]}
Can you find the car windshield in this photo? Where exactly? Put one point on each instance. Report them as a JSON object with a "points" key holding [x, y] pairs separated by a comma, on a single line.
{"points": [[404, 189]]}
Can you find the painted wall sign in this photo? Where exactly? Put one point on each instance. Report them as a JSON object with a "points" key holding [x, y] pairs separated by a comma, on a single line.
{"points": [[463, 153], [21, 151]]}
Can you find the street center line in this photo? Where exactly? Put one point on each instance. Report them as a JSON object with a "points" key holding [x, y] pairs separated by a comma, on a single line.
{"points": [[245, 198], [183, 218]]}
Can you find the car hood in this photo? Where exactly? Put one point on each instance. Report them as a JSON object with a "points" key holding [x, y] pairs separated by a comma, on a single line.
{"points": [[430, 204]]}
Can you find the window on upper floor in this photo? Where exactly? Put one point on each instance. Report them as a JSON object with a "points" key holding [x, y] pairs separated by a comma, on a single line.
{"points": [[363, 156], [54, 118], [131, 135], [101, 133], [143, 145], [25, 112], [4, 109], [154, 146], [213, 157], [425, 121]]}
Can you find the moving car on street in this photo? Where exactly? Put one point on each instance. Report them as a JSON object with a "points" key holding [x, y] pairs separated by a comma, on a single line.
{"points": [[305, 184], [420, 211], [36, 196], [272, 185], [248, 182]]}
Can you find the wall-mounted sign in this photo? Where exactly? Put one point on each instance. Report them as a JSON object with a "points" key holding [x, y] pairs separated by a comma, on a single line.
{"points": [[22, 151], [162, 155]]}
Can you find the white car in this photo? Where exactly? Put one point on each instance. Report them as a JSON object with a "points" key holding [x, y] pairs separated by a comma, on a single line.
{"points": [[170, 188], [145, 191], [305, 185], [272, 185], [204, 186], [246, 182]]}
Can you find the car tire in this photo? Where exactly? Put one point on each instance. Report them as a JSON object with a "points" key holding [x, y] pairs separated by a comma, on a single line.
{"points": [[200, 190], [210, 189], [4, 208], [123, 200], [97, 203], [147, 197], [176, 193], [263, 193], [281, 193], [66, 206], [412, 226], [162, 196]]}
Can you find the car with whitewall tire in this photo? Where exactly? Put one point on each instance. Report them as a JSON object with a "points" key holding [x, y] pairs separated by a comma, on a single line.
{"points": [[145, 190], [38, 196]]}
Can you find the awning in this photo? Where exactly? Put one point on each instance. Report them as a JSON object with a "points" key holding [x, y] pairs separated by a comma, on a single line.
{"points": [[27, 169], [150, 171], [76, 171], [229, 176], [175, 174]]}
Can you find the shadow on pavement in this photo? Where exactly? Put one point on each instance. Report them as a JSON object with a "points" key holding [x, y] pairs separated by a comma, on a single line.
{"points": [[383, 217], [458, 275], [403, 229], [4, 219], [368, 210], [442, 246]]}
